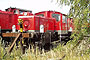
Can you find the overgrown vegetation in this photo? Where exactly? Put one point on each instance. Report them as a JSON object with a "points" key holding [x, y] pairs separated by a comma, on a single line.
{"points": [[64, 52]]}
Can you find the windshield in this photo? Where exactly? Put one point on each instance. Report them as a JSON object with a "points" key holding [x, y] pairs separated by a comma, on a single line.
{"points": [[41, 15], [57, 16], [64, 19]]}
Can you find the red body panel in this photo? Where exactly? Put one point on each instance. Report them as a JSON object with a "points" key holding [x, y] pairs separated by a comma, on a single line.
{"points": [[7, 20], [34, 22], [28, 23]]}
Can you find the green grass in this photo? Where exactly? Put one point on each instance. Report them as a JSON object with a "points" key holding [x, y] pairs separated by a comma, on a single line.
{"points": [[81, 52]]}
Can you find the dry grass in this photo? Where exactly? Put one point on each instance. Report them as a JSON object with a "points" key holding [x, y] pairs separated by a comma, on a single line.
{"points": [[79, 53]]}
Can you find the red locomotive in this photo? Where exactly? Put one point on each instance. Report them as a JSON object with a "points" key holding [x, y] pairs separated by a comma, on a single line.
{"points": [[62, 22], [43, 27]]}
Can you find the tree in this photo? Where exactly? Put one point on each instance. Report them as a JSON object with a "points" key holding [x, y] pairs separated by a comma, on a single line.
{"points": [[80, 11]]}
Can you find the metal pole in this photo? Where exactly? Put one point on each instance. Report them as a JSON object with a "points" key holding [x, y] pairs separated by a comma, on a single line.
{"points": [[0, 29], [66, 26], [60, 33]]}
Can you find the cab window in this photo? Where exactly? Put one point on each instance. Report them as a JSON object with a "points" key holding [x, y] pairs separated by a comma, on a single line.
{"points": [[64, 19], [25, 13], [16, 11], [41, 15], [57, 16], [21, 12]]}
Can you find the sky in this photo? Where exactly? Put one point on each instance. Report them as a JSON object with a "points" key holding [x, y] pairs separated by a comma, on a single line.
{"points": [[34, 5]]}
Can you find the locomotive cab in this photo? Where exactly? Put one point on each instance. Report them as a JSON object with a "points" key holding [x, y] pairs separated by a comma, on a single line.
{"points": [[21, 12]]}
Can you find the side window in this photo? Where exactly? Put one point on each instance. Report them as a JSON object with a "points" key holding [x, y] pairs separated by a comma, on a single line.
{"points": [[57, 16], [64, 19], [25, 13], [21, 12], [41, 15], [16, 11]]}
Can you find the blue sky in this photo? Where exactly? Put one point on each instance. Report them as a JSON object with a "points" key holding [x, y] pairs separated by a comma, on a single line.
{"points": [[34, 5]]}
